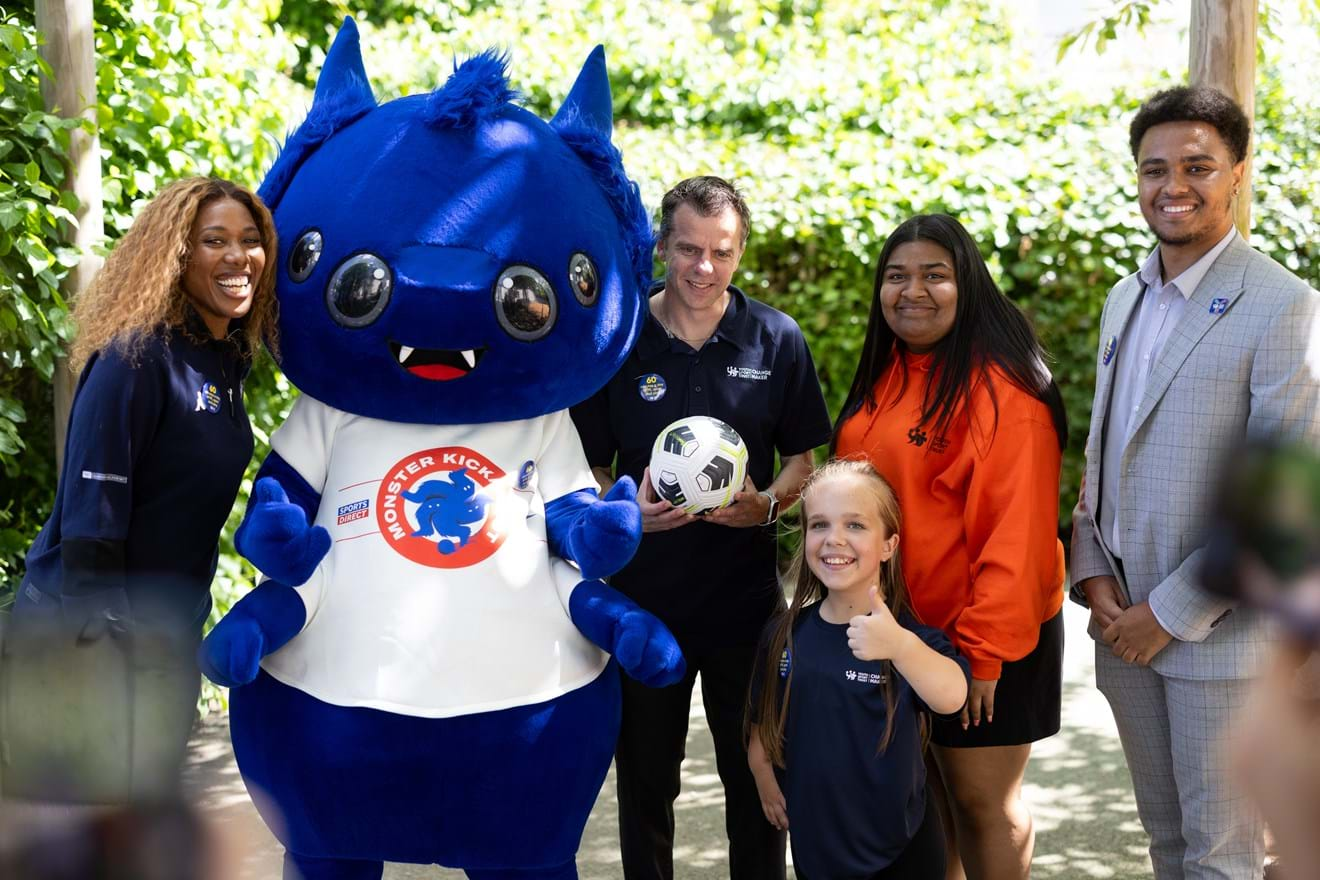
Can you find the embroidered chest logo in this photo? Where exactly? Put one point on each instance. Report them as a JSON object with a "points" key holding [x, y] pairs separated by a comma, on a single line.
{"points": [[919, 438], [864, 677], [208, 398], [747, 373], [431, 507]]}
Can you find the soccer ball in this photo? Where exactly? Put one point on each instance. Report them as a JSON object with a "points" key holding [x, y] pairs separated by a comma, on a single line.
{"points": [[697, 463]]}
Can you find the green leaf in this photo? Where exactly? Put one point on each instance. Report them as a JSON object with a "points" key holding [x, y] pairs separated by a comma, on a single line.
{"points": [[12, 410], [31, 172], [52, 164]]}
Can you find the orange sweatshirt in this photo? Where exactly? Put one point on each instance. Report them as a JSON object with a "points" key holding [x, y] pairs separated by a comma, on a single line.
{"points": [[980, 547]]}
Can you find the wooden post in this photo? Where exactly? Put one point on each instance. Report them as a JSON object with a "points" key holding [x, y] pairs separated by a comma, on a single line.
{"points": [[70, 50], [1223, 55]]}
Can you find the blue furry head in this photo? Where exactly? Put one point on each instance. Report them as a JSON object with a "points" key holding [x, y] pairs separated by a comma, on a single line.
{"points": [[449, 257]]}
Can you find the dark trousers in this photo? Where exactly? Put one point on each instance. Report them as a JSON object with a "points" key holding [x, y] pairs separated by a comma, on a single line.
{"points": [[646, 764]]}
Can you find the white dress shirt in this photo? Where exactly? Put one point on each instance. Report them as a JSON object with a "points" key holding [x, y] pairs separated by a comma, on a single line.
{"points": [[1153, 318]]}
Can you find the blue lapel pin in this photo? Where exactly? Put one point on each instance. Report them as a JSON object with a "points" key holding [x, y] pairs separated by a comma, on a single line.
{"points": [[1109, 351], [1219, 305]]}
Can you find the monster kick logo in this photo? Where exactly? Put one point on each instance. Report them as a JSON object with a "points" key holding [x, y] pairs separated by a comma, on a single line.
{"points": [[431, 510]]}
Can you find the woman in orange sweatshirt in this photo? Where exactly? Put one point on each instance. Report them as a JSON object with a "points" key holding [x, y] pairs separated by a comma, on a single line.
{"points": [[953, 404]]}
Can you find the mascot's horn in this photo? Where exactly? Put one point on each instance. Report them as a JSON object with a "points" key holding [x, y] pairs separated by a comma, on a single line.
{"points": [[589, 100], [343, 86], [343, 94]]}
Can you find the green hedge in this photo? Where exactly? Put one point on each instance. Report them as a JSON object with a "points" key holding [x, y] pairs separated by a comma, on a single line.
{"points": [[839, 120], [33, 260]]}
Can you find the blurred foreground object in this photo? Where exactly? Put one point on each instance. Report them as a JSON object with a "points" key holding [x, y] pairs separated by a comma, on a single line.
{"points": [[1264, 541], [101, 721], [1276, 758], [161, 841]]}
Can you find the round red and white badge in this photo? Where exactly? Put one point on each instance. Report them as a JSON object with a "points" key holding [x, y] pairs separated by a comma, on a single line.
{"points": [[432, 507]]}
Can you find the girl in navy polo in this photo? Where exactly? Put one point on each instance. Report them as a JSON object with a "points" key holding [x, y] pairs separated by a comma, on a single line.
{"points": [[836, 743]]}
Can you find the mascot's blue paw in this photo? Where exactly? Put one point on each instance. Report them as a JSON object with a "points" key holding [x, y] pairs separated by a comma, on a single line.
{"points": [[261, 622], [643, 646], [611, 531], [231, 653], [276, 537]]}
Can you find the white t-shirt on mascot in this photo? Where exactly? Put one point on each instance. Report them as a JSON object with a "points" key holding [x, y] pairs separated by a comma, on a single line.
{"points": [[438, 596]]}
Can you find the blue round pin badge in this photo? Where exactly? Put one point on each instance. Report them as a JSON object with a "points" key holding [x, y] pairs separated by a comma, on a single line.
{"points": [[208, 397], [651, 387]]}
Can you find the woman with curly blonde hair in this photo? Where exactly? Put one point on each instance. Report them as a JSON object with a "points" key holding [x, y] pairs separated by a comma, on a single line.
{"points": [[158, 437]]}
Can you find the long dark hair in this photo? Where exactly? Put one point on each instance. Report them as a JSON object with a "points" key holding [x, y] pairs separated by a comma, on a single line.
{"points": [[988, 330], [772, 704]]}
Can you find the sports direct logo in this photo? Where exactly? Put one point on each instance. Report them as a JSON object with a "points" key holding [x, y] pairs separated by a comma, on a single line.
{"points": [[431, 507], [355, 511]]}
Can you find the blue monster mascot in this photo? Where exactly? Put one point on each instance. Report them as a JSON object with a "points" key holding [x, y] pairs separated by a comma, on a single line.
{"points": [[424, 675]]}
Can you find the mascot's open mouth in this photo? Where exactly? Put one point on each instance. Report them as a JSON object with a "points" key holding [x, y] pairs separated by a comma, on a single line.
{"points": [[438, 365]]}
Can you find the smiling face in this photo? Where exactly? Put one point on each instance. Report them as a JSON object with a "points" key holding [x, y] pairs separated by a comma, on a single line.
{"points": [[224, 263], [1187, 179], [700, 256], [919, 294], [846, 540]]}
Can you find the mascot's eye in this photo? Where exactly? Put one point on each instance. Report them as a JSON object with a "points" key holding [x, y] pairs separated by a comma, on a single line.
{"points": [[359, 290], [525, 303], [305, 255], [582, 278]]}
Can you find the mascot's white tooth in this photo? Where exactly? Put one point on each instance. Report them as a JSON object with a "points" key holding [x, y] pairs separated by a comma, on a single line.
{"points": [[470, 356], [405, 351]]}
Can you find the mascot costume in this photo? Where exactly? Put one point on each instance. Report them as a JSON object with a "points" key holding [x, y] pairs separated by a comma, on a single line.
{"points": [[423, 676]]}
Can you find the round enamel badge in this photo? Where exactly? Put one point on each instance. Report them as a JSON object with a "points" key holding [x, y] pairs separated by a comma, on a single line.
{"points": [[651, 387], [433, 507], [208, 398]]}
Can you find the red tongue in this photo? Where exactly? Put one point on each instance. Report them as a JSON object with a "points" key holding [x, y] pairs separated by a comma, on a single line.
{"points": [[437, 372]]}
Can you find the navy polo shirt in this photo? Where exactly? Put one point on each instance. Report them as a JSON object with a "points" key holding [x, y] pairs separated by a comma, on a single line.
{"points": [[710, 584], [156, 449], [853, 810]]}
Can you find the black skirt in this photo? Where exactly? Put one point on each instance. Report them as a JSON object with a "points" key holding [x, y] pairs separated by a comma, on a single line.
{"points": [[1027, 699]]}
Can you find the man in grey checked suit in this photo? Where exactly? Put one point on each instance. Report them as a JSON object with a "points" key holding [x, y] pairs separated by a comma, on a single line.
{"points": [[1209, 344]]}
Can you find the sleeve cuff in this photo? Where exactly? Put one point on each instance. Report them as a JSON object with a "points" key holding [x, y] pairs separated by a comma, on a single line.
{"points": [[1167, 614], [986, 670]]}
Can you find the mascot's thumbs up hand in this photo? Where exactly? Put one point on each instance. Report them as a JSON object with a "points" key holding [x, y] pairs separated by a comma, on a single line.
{"points": [[276, 537], [610, 531], [642, 644], [599, 534], [261, 622]]}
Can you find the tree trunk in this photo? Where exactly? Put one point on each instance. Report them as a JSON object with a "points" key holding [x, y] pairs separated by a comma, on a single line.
{"points": [[1223, 55], [70, 50]]}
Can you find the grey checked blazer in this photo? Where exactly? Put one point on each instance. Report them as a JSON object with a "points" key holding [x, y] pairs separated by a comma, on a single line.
{"points": [[1243, 362]]}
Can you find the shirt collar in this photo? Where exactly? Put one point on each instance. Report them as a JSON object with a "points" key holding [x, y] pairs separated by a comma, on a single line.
{"points": [[1192, 276], [735, 326], [194, 327]]}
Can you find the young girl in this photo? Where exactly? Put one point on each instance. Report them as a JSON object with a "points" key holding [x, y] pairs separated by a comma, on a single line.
{"points": [[834, 736]]}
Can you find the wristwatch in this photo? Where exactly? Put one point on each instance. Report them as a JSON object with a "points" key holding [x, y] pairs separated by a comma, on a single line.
{"points": [[774, 506]]}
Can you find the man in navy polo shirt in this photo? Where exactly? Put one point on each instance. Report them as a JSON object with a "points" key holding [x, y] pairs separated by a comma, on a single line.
{"points": [[706, 349]]}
